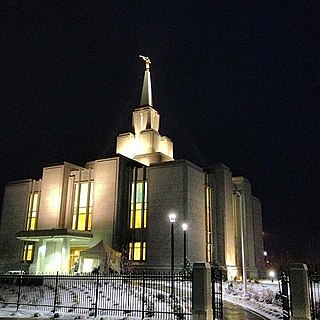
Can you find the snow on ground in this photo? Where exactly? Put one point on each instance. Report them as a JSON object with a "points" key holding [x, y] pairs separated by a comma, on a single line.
{"points": [[122, 296], [11, 313], [261, 298]]}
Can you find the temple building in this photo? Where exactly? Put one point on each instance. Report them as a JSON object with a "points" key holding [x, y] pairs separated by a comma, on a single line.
{"points": [[85, 214]]}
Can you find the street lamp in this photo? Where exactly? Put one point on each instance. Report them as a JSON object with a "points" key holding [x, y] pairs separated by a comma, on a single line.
{"points": [[184, 228], [172, 218], [266, 261], [238, 193]]}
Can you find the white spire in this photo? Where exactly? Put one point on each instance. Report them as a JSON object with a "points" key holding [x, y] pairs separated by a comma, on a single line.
{"points": [[145, 144], [146, 96]]}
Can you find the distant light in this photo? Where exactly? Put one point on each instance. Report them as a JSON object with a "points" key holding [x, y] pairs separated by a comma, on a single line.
{"points": [[184, 227], [271, 274], [265, 253], [172, 217]]}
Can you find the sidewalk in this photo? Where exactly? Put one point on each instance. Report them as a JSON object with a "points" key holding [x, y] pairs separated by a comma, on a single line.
{"points": [[234, 312]]}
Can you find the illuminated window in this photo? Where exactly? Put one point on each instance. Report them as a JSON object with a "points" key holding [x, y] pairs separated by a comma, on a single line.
{"points": [[208, 199], [33, 208], [137, 251], [138, 205], [235, 200], [28, 251], [82, 206]]}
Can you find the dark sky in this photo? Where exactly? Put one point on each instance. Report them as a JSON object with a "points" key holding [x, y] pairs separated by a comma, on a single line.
{"points": [[236, 83]]}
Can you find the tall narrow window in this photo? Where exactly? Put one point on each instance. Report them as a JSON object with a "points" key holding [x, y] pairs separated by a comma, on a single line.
{"points": [[33, 208], [138, 203], [145, 202], [82, 206], [137, 251], [208, 196], [28, 251]]}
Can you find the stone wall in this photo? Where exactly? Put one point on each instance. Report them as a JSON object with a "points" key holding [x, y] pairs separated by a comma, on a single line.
{"points": [[175, 187], [13, 219]]}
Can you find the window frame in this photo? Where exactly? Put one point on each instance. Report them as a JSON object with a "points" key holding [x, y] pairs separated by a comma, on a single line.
{"points": [[33, 211], [137, 251], [138, 204], [77, 200], [208, 222], [28, 248]]}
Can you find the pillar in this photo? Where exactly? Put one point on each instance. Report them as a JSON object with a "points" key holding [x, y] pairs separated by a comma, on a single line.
{"points": [[300, 293], [201, 292]]}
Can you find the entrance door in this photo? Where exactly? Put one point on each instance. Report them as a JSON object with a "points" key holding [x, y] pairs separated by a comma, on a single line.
{"points": [[75, 258]]}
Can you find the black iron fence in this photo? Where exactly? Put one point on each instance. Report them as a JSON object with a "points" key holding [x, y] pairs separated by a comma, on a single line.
{"points": [[314, 279], [137, 295], [216, 283], [284, 283]]}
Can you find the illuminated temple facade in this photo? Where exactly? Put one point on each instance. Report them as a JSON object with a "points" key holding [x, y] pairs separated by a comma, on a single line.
{"points": [[123, 201]]}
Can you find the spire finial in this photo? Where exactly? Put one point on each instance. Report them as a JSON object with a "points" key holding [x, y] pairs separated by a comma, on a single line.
{"points": [[146, 96], [147, 60]]}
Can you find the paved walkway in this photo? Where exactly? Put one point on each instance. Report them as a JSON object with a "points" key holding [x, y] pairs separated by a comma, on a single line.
{"points": [[234, 312]]}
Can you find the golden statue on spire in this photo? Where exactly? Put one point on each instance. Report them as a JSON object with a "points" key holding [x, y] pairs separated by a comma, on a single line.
{"points": [[147, 60]]}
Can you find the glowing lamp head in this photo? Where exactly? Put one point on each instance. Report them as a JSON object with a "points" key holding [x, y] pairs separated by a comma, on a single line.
{"points": [[271, 274], [184, 227], [172, 217]]}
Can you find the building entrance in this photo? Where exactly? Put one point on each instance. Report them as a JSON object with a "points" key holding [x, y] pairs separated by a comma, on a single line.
{"points": [[75, 258]]}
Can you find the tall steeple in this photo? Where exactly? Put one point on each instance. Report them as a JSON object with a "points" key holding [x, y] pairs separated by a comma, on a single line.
{"points": [[145, 144], [146, 96]]}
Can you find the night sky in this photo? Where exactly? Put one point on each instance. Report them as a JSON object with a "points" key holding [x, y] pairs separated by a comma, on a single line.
{"points": [[236, 83]]}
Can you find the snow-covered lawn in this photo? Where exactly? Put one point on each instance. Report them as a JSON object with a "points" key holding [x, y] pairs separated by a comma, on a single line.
{"points": [[123, 297], [262, 298], [11, 313]]}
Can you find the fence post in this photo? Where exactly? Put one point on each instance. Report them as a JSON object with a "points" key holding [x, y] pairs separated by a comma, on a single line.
{"points": [[201, 291], [143, 293], [300, 292], [285, 296], [19, 290], [97, 295], [55, 293]]}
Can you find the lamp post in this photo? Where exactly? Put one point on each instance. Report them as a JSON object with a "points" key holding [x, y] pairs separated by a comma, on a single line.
{"points": [[184, 228], [172, 218], [238, 193]]}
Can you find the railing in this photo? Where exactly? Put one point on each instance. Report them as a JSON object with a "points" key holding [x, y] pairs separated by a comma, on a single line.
{"points": [[284, 284], [135, 295], [314, 279], [217, 302]]}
